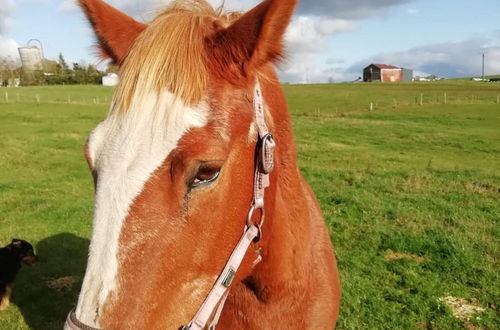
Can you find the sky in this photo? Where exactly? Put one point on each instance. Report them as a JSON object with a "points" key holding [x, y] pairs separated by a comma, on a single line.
{"points": [[327, 40]]}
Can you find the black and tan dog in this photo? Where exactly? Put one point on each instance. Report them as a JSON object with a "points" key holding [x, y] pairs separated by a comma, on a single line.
{"points": [[11, 257]]}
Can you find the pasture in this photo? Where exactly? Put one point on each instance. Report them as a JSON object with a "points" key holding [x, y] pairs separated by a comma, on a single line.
{"points": [[410, 191]]}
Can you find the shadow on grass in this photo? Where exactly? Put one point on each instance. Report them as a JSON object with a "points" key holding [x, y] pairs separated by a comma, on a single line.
{"points": [[46, 292]]}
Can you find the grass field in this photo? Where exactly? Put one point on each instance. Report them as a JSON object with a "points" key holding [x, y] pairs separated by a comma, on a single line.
{"points": [[411, 194]]}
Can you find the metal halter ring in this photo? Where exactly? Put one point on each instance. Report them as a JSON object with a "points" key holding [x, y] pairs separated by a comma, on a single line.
{"points": [[259, 224]]}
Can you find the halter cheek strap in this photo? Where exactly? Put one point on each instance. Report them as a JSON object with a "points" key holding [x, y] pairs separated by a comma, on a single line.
{"points": [[264, 164], [213, 304], [211, 308]]}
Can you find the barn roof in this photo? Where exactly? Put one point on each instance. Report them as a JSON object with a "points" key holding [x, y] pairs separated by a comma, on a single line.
{"points": [[385, 66]]}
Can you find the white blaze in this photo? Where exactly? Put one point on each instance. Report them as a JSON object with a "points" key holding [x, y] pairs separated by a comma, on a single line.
{"points": [[126, 149]]}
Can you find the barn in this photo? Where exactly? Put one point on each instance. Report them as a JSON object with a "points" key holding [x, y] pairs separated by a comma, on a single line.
{"points": [[386, 73]]}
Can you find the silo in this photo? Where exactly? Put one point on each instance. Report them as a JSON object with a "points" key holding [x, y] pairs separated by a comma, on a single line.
{"points": [[31, 58]]}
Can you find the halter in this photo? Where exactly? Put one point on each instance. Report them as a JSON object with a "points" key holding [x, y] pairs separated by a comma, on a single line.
{"points": [[211, 308]]}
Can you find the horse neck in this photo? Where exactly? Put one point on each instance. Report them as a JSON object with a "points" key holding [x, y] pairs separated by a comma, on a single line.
{"points": [[287, 230]]}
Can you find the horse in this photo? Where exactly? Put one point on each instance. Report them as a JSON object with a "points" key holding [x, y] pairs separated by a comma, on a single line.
{"points": [[201, 217]]}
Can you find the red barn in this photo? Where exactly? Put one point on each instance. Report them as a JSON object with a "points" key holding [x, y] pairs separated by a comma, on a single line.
{"points": [[386, 73]]}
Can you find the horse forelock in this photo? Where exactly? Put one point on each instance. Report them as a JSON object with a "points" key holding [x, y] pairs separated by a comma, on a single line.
{"points": [[170, 54]]}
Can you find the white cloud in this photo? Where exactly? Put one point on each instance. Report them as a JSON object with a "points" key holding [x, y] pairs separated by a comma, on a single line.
{"points": [[349, 9], [7, 10], [145, 10], [8, 48], [306, 39], [306, 34]]}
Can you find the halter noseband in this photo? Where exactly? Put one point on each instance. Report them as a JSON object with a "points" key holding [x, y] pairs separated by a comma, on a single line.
{"points": [[211, 308]]}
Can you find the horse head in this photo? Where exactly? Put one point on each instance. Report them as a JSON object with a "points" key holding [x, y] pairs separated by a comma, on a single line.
{"points": [[174, 166]]}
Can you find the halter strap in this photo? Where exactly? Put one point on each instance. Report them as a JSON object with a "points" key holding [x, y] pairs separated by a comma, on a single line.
{"points": [[258, 105], [264, 164], [218, 294]]}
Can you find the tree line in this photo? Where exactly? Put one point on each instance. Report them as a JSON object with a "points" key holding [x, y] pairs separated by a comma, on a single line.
{"points": [[52, 73]]}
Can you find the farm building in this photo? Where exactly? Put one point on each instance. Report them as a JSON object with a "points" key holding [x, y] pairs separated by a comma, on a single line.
{"points": [[386, 73], [110, 79]]}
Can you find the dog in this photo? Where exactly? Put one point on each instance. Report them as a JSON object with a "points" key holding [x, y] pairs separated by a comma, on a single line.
{"points": [[11, 257]]}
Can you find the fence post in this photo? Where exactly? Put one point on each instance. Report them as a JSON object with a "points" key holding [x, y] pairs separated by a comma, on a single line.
{"points": [[421, 98], [371, 106], [445, 98], [6, 97]]}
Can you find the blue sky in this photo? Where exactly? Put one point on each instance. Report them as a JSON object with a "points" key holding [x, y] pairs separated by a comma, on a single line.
{"points": [[328, 39]]}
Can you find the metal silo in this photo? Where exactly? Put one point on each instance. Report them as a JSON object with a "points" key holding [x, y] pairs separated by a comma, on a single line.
{"points": [[31, 57]]}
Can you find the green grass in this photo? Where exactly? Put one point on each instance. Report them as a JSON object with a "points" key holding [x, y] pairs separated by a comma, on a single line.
{"points": [[424, 181], [337, 99], [84, 94], [46, 198], [420, 180]]}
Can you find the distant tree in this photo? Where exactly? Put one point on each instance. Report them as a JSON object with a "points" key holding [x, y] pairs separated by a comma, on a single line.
{"points": [[62, 62], [94, 76], [59, 73], [50, 66], [63, 74], [79, 74], [112, 68], [9, 69]]}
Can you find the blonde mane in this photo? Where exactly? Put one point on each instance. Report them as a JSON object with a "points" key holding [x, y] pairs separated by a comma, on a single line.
{"points": [[169, 55]]}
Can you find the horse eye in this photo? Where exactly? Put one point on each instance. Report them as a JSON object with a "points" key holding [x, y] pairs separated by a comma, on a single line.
{"points": [[205, 175]]}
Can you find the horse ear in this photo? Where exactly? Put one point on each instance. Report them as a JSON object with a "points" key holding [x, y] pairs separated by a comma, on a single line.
{"points": [[115, 31], [256, 38]]}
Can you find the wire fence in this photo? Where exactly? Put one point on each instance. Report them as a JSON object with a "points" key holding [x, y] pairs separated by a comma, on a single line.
{"points": [[420, 100], [11, 96], [332, 105]]}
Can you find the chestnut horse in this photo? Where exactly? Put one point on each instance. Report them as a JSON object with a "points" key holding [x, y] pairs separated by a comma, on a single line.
{"points": [[182, 156]]}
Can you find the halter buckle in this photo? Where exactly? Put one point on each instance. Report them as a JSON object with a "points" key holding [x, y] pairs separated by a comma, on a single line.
{"points": [[267, 153]]}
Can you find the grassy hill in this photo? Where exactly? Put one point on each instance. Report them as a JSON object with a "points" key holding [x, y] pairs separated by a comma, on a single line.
{"points": [[410, 192]]}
